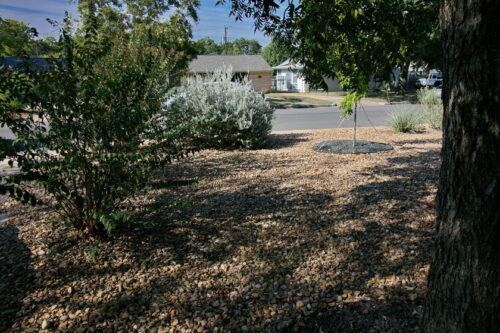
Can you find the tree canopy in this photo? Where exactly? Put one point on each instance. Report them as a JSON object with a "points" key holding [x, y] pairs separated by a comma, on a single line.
{"points": [[239, 46], [16, 38], [351, 40], [245, 46], [276, 52], [207, 45], [19, 39]]}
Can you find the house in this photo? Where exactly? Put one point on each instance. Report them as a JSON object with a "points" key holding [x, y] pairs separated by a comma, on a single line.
{"points": [[254, 66], [288, 77]]}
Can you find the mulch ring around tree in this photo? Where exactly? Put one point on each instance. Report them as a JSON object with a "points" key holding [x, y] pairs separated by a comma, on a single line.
{"points": [[351, 147], [275, 240]]}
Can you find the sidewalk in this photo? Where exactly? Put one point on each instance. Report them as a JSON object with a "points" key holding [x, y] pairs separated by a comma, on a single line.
{"points": [[6, 169]]}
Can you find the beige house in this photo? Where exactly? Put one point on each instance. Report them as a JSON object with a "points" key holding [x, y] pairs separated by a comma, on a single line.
{"points": [[253, 66]]}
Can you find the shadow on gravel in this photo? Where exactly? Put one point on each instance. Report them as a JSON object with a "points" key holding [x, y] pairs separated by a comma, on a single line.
{"points": [[391, 316], [305, 273], [279, 141], [16, 278], [418, 142], [389, 245], [397, 249]]}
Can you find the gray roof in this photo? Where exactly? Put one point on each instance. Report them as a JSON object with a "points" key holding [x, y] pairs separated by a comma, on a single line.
{"points": [[17, 63], [289, 65], [239, 63]]}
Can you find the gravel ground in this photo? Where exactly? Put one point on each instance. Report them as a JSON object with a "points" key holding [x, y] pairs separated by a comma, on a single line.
{"points": [[283, 239]]}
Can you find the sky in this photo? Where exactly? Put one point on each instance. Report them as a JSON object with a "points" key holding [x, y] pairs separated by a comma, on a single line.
{"points": [[212, 18]]}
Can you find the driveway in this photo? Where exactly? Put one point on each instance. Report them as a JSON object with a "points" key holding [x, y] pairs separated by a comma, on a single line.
{"points": [[331, 117]]}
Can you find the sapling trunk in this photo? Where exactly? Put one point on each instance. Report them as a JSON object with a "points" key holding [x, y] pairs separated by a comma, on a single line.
{"points": [[355, 120]]}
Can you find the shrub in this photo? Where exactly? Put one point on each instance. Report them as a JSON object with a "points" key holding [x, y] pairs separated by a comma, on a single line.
{"points": [[220, 113], [96, 127], [432, 107], [404, 120]]}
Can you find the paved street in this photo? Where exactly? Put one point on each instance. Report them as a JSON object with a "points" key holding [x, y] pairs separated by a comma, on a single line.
{"points": [[331, 117], [6, 133], [314, 118]]}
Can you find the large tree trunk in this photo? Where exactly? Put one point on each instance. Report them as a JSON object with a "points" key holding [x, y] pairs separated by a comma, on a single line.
{"points": [[464, 280]]}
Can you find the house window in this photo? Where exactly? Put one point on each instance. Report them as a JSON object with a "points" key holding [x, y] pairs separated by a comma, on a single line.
{"points": [[239, 76]]}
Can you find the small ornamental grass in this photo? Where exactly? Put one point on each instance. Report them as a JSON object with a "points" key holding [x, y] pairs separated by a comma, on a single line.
{"points": [[432, 107], [220, 113], [404, 120]]}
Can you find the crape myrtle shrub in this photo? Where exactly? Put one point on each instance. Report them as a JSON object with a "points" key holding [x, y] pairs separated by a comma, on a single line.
{"points": [[95, 129], [221, 113]]}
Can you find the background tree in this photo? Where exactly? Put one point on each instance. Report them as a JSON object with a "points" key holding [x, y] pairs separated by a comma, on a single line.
{"points": [[47, 47], [416, 30], [464, 283], [239, 46], [244, 46], [207, 45], [327, 35], [276, 52], [19, 39], [16, 38]]}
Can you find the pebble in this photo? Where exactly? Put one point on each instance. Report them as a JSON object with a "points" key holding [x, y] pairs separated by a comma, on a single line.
{"points": [[279, 276], [282, 325]]}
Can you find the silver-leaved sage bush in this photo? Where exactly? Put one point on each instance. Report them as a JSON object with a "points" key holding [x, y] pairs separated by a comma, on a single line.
{"points": [[220, 112]]}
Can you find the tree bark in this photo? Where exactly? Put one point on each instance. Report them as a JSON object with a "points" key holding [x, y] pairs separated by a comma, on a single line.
{"points": [[402, 86], [464, 281]]}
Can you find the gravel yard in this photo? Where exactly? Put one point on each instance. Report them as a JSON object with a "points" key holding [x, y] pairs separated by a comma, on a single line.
{"points": [[276, 240]]}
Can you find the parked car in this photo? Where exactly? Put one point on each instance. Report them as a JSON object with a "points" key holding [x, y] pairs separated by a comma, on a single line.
{"points": [[434, 79]]}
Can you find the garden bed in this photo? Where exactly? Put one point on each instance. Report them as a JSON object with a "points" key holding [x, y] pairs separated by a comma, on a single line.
{"points": [[280, 239]]}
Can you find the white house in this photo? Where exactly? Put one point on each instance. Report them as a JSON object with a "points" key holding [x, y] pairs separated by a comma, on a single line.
{"points": [[289, 77]]}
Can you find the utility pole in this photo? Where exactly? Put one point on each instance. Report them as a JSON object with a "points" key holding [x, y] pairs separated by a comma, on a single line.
{"points": [[225, 40]]}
